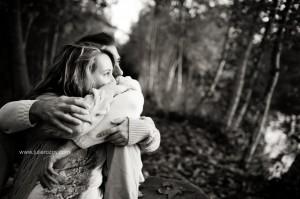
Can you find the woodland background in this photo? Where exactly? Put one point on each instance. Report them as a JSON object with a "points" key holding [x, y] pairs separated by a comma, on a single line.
{"points": [[221, 80]]}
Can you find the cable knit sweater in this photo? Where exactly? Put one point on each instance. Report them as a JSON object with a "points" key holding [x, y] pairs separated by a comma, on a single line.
{"points": [[14, 117]]}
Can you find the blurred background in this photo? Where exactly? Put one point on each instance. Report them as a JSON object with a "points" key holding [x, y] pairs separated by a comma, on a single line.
{"points": [[221, 80]]}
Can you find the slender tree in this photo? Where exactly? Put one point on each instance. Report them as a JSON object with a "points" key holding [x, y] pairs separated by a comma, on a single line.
{"points": [[45, 55], [21, 83], [221, 65], [240, 77], [256, 67], [276, 65]]}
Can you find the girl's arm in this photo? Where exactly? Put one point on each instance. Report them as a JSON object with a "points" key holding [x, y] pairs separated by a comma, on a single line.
{"points": [[143, 131], [128, 104]]}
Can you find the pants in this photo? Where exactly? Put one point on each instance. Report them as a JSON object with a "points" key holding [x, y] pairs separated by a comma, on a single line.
{"points": [[122, 168], [124, 172], [9, 146]]}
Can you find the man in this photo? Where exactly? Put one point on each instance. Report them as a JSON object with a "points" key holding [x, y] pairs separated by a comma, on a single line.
{"points": [[21, 115]]}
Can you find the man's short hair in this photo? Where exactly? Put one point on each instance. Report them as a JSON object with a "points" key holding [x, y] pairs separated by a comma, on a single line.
{"points": [[97, 40]]}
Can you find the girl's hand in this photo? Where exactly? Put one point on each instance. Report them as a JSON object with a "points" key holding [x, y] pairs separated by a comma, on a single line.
{"points": [[128, 82], [119, 134], [114, 89]]}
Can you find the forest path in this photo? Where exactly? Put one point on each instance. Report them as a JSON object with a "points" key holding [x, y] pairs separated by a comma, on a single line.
{"points": [[209, 160]]}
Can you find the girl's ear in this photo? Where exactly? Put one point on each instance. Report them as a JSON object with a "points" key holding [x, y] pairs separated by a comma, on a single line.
{"points": [[89, 83], [92, 65]]}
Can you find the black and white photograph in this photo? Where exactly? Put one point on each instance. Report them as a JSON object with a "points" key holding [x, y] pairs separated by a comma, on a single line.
{"points": [[150, 99]]}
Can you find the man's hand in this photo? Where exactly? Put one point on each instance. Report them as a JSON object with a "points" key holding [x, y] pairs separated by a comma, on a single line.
{"points": [[60, 110], [119, 134], [48, 177]]}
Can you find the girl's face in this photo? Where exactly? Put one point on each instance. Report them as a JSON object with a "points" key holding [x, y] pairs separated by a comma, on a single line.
{"points": [[113, 50], [103, 72]]}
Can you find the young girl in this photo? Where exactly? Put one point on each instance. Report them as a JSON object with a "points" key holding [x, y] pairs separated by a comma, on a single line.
{"points": [[82, 70]]}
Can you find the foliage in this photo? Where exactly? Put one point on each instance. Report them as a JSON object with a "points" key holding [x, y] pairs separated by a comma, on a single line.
{"points": [[193, 154], [157, 36], [45, 27]]}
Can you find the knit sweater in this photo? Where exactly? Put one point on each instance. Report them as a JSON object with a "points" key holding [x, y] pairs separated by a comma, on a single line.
{"points": [[14, 117]]}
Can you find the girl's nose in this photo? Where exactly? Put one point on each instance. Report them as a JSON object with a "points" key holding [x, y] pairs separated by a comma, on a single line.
{"points": [[117, 71], [113, 80]]}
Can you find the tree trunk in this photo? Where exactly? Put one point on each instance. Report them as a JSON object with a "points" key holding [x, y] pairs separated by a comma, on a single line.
{"points": [[257, 65], [54, 43], [180, 62], [180, 49], [171, 75], [239, 85], [221, 65], [31, 19], [21, 83], [243, 110], [45, 57], [275, 63], [220, 68], [152, 54]]}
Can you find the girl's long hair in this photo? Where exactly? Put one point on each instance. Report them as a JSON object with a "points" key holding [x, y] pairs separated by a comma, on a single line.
{"points": [[70, 73]]}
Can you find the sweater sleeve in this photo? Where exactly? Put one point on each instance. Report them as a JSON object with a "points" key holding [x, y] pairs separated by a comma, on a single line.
{"points": [[100, 101], [128, 104], [14, 116], [142, 131]]}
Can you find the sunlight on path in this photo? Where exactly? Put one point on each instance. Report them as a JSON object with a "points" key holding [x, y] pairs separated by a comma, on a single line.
{"points": [[277, 147]]}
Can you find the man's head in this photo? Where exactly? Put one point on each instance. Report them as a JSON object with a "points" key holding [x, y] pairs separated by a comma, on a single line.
{"points": [[103, 41]]}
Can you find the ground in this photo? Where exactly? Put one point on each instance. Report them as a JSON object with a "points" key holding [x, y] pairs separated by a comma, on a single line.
{"points": [[191, 153], [207, 159]]}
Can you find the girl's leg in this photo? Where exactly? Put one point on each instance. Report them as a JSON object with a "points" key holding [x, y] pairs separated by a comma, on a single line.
{"points": [[124, 172], [37, 192]]}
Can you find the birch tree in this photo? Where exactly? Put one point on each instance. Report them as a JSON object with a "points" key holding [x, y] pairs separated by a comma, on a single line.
{"points": [[239, 85], [256, 68], [221, 65], [276, 66]]}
